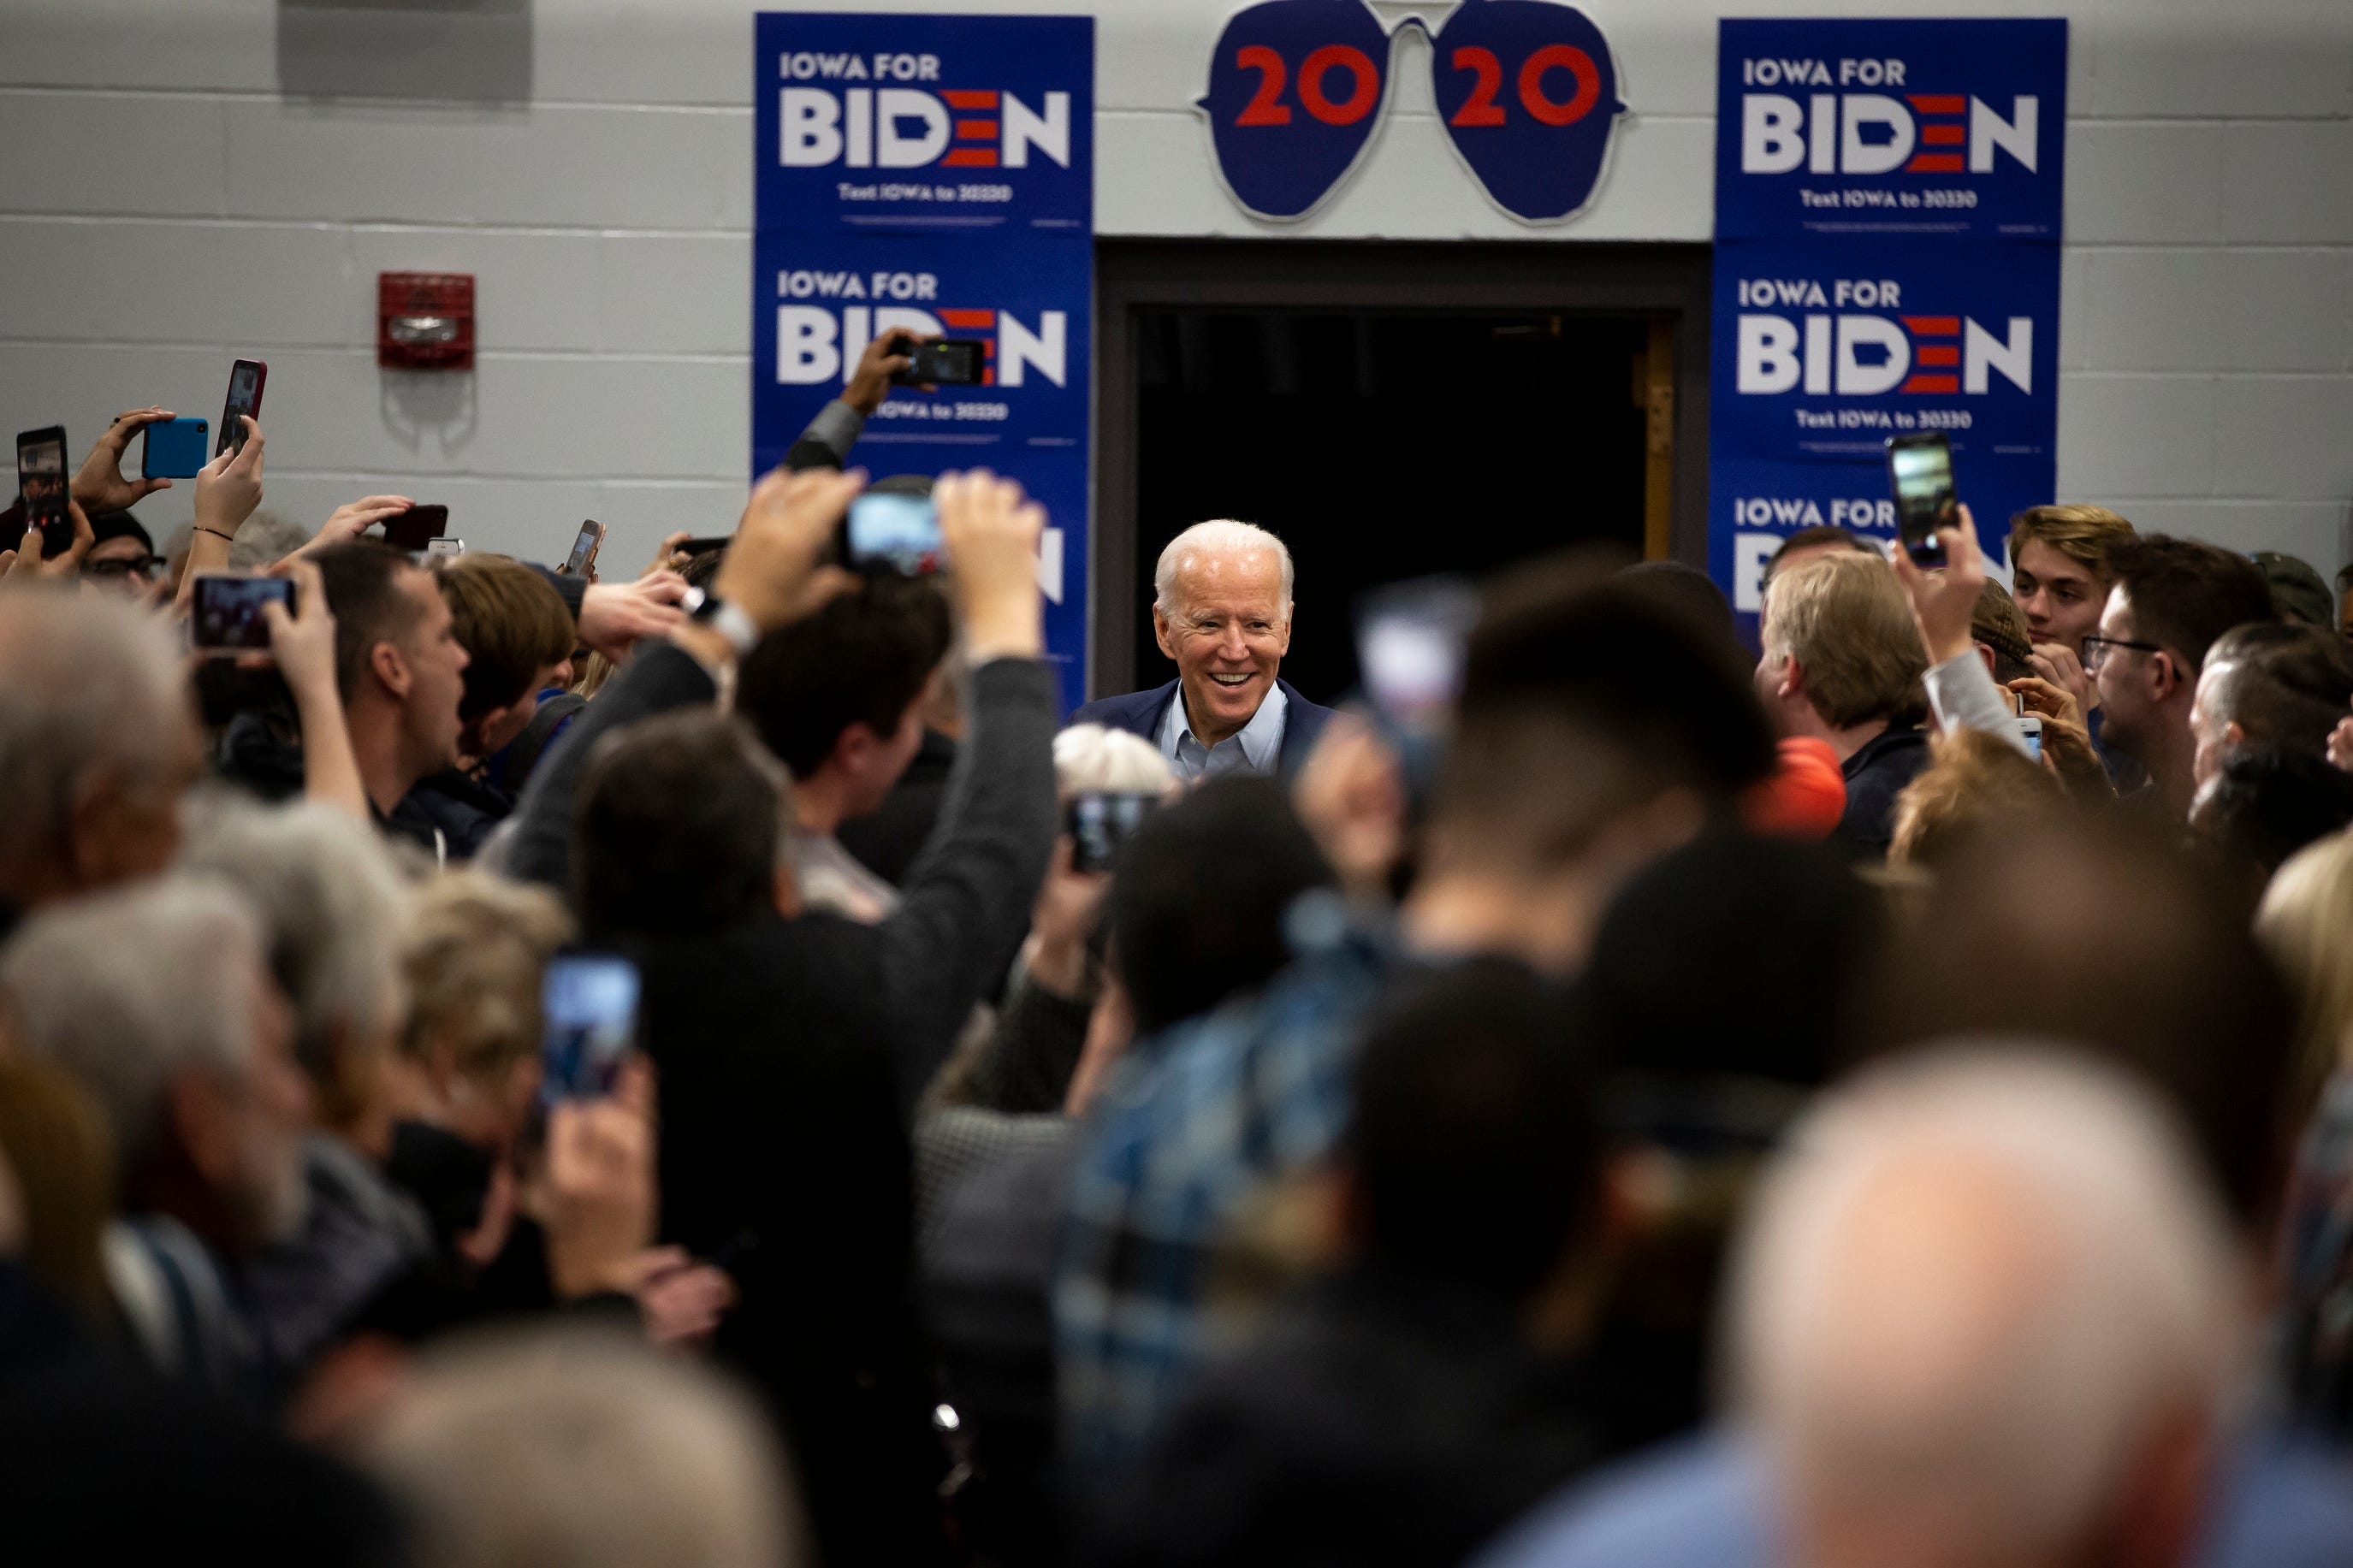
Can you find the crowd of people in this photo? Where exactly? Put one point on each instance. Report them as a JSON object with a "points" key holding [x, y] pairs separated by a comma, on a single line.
{"points": [[1882, 1102]]}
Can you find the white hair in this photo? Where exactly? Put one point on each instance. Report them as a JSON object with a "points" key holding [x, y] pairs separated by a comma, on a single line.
{"points": [[1968, 1287], [332, 909], [91, 683], [576, 1446], [1219, 536], [126, 989], [1090, 757]]}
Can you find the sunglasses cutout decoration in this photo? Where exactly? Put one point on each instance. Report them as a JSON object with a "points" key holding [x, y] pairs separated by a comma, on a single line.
{"points": [[1527, 89]]}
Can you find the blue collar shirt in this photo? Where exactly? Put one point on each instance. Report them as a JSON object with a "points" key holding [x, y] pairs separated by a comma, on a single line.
{"points": [[1255, 748]]}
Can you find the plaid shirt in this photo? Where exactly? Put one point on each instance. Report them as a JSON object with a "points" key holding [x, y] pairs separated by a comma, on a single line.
{"points": [[1190, 1129]]}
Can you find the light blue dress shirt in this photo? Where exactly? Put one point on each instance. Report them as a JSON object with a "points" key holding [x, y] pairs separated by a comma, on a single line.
{"points": [[1255, 748]]}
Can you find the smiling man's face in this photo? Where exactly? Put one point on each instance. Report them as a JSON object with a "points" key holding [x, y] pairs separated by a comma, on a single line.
{"points": [[1228, 631]]}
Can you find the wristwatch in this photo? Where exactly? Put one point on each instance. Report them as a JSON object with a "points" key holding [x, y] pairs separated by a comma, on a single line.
{"points": [[730, 621]]}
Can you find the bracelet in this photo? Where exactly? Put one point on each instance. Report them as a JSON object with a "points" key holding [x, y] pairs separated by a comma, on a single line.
{"points": [[216, 533]]}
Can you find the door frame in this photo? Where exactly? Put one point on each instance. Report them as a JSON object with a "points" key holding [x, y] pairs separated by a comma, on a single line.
{"points": [[1667, 282]]}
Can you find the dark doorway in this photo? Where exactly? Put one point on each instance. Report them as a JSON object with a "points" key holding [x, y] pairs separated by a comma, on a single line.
{"points": [[1383, 447], [1392, 408]]}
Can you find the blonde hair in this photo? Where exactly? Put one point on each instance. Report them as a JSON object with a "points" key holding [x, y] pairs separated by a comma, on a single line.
{"points": [[1973, 781], [1843, 618], [1089, 757], [2302, 923], [477, 949], [2084, 534]]}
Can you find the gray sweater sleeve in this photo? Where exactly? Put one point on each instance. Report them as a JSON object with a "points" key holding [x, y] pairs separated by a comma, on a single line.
{"points": [[1966, 698], [965, 905], [660, 678]]}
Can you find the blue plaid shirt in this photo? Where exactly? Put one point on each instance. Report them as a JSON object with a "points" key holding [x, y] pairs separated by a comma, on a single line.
{"points": [[1193, 1125]]}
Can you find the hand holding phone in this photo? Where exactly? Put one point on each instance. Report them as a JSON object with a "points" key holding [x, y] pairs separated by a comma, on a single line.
{"points": [[246, 379]]}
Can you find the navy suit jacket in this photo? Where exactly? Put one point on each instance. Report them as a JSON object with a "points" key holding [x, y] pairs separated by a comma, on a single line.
{"points": [[1140, 713]]}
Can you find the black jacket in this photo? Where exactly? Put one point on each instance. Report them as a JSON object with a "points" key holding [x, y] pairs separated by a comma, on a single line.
{"points": [[1875, 776], [1380, 1418]]}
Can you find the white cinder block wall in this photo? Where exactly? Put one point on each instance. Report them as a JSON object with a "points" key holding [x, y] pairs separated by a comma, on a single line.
{"points": [[185, 180]]}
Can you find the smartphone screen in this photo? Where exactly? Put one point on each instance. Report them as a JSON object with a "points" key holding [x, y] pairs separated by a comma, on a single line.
{"points": [[245, 379], [583, 549], [228, 612], [1099, 823], [417, 528], [41, 485], [901, 533], [956, 361], [589, 1003], [1410, 646], [1920, 469]]}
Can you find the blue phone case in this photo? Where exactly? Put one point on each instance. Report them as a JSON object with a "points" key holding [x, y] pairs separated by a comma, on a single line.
{"points": [[177, 448]]}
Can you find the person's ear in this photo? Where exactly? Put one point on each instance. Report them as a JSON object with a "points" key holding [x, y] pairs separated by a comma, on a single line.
{"points": [[1282, 633], [1162, 633], [1792, 684], [854, 747], [1985, 653], [390, 667], [2233, 736], [2166, 676]]}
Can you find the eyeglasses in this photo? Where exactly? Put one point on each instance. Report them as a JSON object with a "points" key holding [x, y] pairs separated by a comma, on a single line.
{"points": [[2095, 649], [133, 566]]}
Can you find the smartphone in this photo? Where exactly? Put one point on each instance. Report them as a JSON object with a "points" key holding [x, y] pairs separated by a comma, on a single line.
{"points": [[246, 379], [953, 361], [1409, 642], [1099, 823], [228, 617], [892, 532], [583, 549], [418, 527], [173, 448], [445, 547], [1920, 469], [2030, 726], [588, 1005], [41, 486]]}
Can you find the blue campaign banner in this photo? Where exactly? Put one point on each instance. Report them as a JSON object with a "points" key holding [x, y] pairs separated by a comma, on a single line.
{"points": [[1823, 351], [966, 123], [1947, 128], [934, 173], [822, 295]]}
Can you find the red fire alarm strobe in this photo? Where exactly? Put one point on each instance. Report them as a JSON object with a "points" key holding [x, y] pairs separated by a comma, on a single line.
{"points": [[424, 321]]}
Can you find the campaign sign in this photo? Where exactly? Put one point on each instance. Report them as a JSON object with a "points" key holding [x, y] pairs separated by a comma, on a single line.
{"points": [[1823, 351], [1949, 127], [908, 121], [823, 295], [1529, 95]]}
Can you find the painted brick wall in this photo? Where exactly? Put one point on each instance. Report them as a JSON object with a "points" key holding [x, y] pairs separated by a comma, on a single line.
{"points": [[184, 180]]}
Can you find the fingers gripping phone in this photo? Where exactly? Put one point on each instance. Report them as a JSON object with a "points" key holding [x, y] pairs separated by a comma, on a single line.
{"points": [[1920, 470], [589, 1003], [41, 486], [951, 361], [246, 379], [584, 549], [229, 617]]}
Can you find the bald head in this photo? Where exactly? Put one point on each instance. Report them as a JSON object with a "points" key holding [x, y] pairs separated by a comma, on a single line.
{"points": [[1979, 1298], [1217, 554]]}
